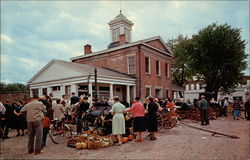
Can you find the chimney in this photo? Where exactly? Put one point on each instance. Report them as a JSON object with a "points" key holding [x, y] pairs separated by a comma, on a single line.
{"points": [[122, 39], [87, 49]]}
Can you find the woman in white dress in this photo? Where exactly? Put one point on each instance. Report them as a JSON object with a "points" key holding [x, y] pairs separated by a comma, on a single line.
{"points": [[118, 121]]}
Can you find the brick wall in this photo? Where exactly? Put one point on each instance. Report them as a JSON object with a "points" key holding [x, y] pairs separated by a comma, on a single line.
{"points": [[117, 60], [152, 80], [14, 96]]}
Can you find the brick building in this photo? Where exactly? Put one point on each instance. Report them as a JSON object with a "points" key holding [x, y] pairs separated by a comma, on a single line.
{"points": [[142, 67]]}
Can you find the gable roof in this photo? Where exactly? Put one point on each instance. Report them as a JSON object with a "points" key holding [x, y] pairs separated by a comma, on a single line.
{"points": [[128, 45], [85, 69]]}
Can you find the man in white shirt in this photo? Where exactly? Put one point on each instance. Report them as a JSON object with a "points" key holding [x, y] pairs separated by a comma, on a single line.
{"points": [[35, 113]]}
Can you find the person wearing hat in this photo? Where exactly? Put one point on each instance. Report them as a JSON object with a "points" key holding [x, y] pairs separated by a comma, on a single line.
{"points": [[80, 110], [203, 106], [152, 118]]}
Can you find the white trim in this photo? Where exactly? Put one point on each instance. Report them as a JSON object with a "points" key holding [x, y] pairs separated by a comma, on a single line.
{"points": [[157, 87], [125, 46], [81, 80], [84, 74], [131, 54], [157, 49]]}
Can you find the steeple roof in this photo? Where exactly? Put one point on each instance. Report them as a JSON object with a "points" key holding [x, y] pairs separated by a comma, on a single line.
{"points": [[120, 17]]}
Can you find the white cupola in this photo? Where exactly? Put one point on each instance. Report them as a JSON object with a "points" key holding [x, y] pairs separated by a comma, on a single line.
{"points": [[120, 25]]}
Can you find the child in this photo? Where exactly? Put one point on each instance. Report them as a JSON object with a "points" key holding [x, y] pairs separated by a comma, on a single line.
{"points": [[46, 127]]}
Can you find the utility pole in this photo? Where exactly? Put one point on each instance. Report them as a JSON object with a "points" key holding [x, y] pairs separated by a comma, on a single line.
{"points": [[95, 96]]}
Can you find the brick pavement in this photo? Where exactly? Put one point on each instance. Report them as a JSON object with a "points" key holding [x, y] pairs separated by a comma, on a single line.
{"points": [[177, 143]]}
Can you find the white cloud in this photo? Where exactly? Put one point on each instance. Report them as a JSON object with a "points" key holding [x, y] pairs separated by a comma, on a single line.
{"points": [[6, 38], [5, 59], [29, 62]]}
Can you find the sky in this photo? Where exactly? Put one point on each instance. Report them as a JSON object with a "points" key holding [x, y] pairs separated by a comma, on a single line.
{"points": [[35, 32]]}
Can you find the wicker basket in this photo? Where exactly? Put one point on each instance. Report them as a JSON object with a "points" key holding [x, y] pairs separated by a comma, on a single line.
{"points": [[114, 138], [82, 139]]}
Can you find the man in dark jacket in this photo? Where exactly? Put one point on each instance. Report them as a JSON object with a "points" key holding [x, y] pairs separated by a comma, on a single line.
{"points": [[74, 99], [80, 109], [7, 119], [125, 102]]}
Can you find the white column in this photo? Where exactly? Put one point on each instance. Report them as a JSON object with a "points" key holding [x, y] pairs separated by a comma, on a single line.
{"points": [[49, 90], [31, 93], [128, 94], [111, 91], [134, 91], [40, 92], [192, 86], [62, 88], [74, 88], [90, 89], [198, 86]]}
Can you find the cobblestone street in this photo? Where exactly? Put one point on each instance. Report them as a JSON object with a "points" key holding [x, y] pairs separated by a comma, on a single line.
{"points": [[177, 143]]}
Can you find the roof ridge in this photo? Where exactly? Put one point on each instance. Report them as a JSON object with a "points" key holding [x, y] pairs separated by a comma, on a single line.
{"points": [[118, 47]]}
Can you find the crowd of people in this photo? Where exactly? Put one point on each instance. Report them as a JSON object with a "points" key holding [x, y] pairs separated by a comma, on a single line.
{"points": [[34, 116]]}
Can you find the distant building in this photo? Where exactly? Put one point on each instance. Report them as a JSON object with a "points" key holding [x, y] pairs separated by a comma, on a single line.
{"points": [[193, 89], [125, 69]]}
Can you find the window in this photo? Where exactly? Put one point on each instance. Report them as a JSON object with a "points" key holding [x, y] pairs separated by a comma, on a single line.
{"points": [[158, 93], [115, 35], [167, 70], [148, 92], [147, 65], [158, 68], [131, 65], [56, 88]]}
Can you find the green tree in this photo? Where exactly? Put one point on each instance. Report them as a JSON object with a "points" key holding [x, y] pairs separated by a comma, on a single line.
{"points": [[181, 47], [13, 87], [218, 56]]}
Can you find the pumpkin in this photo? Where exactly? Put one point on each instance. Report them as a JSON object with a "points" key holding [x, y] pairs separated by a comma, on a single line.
{"points": [[124, 139], [84, 145], [131, 137], [78, 145]]}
